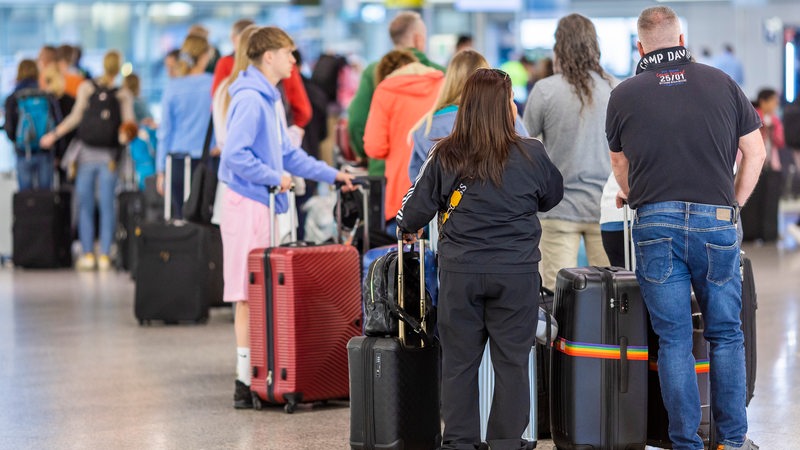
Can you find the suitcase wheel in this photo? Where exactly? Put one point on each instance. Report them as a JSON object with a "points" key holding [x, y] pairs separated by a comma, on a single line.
{"points": [[291, 402], [257, 405]]}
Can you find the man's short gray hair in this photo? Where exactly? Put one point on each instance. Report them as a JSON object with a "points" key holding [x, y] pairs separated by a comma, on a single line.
{"points": [[402, 26], [658, 27]]}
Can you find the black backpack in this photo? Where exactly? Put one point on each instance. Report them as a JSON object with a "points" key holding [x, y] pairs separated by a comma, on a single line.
{"points": [[382, 312], [102, 118]]}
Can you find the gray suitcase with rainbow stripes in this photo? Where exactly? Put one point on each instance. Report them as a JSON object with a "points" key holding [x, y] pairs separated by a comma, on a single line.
{"points": [[599, 375]]}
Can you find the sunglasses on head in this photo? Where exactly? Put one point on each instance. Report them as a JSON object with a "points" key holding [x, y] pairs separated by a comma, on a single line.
{"points": [[499, 72]]}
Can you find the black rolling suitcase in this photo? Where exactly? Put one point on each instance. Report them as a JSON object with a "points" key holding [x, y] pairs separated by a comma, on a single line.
{"points": [[394, 381], [130, 216], [748, 316], [179, 269], [599, 361], [42, 229], [599, 379]]}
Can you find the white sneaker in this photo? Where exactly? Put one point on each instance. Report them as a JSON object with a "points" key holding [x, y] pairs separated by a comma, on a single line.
{"points": [[86, 262], [103, 263], [748, 444], [794, 232]]}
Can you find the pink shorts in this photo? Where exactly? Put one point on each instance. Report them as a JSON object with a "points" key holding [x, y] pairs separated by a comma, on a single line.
{"points": [[244, 227]]}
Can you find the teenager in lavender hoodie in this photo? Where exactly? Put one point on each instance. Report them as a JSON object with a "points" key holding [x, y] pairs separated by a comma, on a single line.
{"points": [[256, 156]]}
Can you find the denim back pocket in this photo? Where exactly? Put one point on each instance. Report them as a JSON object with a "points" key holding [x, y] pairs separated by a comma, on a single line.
{"points": [[654, 259], [723, 263]]}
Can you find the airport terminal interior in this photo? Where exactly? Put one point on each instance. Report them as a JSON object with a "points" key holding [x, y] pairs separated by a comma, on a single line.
{"points": [[79, 371]]}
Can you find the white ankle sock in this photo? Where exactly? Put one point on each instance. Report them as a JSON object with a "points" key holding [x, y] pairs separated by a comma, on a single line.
{"points": [[243, 371]]}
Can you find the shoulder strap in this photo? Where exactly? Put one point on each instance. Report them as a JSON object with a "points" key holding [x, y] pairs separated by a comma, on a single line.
{"points": [[57, 112], [453, 202]]}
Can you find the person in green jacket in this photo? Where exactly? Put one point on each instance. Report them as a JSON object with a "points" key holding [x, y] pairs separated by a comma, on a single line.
{"points": [[407, 31]]}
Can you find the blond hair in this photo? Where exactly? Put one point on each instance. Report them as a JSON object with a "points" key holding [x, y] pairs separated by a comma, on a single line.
{"points": [[193, 48], [198, 30], [240, 63], [54, 81], [112, 62], [267, 39], [463, 64]]}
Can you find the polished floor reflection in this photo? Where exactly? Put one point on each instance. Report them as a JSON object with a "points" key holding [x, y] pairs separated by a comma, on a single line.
{"points": [[76, 370]]}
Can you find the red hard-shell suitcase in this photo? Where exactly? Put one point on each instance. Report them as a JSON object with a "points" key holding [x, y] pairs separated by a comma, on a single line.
{"points": [[305, 305]]}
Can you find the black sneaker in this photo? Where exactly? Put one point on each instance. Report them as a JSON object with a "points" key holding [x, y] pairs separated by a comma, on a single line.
{"points": [[242, 398]]}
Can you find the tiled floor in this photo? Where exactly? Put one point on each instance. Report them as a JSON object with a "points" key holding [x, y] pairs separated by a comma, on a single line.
{"points": [[76, 371]]}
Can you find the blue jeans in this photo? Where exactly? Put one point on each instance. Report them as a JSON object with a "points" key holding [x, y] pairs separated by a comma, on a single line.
{"points": [[95, 178], [39, 169], [680, 246]]}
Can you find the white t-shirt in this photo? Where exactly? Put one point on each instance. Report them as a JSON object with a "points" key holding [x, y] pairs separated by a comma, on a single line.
{"points": [[608, 202]]}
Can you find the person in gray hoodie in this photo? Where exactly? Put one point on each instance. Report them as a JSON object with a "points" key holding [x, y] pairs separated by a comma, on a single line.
{"points": [[438, 122], [569, 110]]}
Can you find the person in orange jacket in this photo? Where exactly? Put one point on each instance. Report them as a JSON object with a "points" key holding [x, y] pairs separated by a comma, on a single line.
{"points": [[406, 90]]}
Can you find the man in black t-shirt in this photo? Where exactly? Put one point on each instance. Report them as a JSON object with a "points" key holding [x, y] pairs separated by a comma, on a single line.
{"points": [[674, 130]]}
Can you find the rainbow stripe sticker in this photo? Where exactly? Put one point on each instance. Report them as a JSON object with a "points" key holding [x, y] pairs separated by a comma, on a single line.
{"points": [[601, 351], [700, 366]]}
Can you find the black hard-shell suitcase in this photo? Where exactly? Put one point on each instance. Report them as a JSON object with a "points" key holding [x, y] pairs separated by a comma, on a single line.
{"points": [[42, 233], [394, 385], [394, 395], [130, 216], [748, 316], [179, 268], [599, 361]]}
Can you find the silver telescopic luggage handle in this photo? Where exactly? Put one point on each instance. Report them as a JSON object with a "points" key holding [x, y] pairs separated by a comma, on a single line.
{"points": [[187, 183], [401, 289], [627, 231], [273, 216], [168, 189]]}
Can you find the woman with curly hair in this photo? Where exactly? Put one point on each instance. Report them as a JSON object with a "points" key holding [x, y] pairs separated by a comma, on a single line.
{"points": [[568, 110]]}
